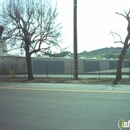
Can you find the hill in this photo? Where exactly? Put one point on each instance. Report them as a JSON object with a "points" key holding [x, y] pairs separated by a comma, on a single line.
{"points": [[112, 52]]}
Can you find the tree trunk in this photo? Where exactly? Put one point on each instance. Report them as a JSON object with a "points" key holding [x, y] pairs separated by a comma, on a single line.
{"points": [[29, 67], [28, 61], [119, 65]]}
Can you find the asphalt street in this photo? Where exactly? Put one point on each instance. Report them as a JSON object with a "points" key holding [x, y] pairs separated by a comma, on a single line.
{"points": [[38, 106]]}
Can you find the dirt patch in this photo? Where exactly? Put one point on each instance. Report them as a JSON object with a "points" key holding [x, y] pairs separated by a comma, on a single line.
{"points": [[91, 81], [64, 80]]}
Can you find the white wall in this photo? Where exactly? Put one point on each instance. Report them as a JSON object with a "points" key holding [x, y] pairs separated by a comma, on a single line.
{"points": [[3, 48]]}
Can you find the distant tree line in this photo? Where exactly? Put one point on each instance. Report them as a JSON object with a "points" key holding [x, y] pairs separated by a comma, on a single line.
{"points": [[60, 54]]}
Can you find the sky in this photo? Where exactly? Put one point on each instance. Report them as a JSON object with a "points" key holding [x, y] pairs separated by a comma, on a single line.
{"points": [[95, 20]]}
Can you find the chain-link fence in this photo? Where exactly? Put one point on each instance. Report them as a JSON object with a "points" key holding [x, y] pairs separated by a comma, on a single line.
{"points": [[62, 66]]}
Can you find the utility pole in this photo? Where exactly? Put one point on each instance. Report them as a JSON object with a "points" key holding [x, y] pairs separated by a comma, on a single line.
{"points": [[75, 42]]}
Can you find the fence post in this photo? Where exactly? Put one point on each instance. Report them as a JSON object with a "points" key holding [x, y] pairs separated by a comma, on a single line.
{"points": [[47, 69], [24, 65], [71, 69], [129, 72], [99, 69], [99, 72]]}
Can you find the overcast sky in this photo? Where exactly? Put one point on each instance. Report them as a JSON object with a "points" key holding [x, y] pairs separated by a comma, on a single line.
{"points": [[96, 18]]}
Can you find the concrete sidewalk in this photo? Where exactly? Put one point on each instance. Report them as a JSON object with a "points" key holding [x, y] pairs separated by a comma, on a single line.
{"points": [[71, 87], [69, 76]]}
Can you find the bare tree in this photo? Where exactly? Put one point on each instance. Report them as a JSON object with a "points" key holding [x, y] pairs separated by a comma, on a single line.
{"points": [[126, 45], [32, 25]]}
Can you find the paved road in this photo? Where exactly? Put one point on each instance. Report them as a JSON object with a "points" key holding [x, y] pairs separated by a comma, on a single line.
{"points": [[30, 106]]}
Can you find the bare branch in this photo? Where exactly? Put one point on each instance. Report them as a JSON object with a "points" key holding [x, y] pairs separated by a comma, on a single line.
{"points": [[125, 15], [13, 49], [115, 41], [121, 14]]}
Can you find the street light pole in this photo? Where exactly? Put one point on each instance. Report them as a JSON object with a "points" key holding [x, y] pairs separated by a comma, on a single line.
{"points": [[75, 42]]}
